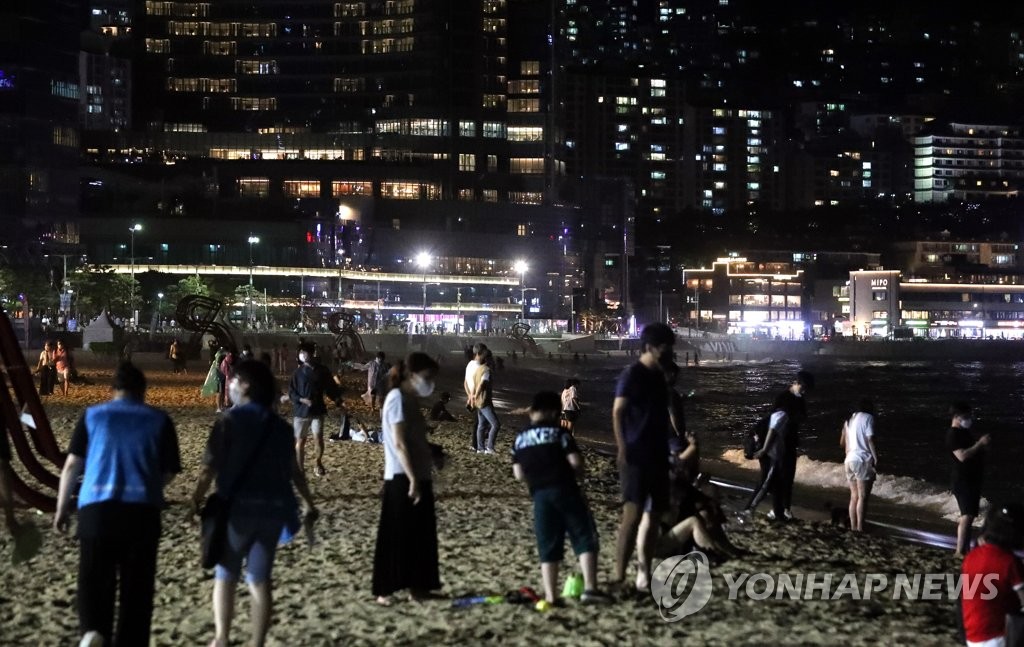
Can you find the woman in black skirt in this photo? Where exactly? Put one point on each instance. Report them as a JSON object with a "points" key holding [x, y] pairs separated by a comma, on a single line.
{"points": [[406, 555]]}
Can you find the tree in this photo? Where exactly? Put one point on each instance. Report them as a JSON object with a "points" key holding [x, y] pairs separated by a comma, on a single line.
{"points": [[192, 284], [97, 288]]}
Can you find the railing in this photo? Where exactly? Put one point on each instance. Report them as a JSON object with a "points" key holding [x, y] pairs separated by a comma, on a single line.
{"points": [[318, 272]]}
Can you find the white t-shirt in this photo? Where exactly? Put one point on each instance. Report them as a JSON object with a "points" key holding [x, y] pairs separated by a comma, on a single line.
{"points": [[390, 415], [859, 428], [569, 399], [470, 372]]}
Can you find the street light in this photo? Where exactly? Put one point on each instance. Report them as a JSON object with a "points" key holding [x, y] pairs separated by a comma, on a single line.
{"points": [[159, 308], [131, 298], [252, 241], [520, 266], [423, 260]]}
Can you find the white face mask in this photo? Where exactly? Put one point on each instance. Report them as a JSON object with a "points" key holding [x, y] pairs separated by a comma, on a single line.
{"points": [[303, 357], [421, 385], [235, 391], [966, 423]]}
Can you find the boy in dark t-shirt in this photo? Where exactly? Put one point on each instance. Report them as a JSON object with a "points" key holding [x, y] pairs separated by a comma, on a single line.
{"points": [[547, 458]]}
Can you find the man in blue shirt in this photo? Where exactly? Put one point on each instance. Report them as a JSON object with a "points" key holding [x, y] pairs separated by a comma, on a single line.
{"points": [[640, 421], [127, 452]]}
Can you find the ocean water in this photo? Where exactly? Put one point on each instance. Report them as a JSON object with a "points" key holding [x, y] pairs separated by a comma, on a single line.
{"points": [[911, 400]]}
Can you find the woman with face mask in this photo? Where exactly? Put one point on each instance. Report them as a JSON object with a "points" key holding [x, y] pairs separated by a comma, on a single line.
{"points": [[406, 553], [251, 457]]}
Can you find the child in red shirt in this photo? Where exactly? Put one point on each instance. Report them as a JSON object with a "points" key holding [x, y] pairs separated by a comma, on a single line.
{"points": [[985, 619]]}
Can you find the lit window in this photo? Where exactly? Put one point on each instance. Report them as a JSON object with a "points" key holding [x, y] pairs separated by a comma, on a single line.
{"points": [[526, 165], [490, 195], [495, 129], [467, 128], [524, 86], [525, 133], [302, 188], [410, 190], [158, 45], [347, 187], [521, 230], [467, 162], [523, 105], [526, 197], [253, 187], [492, 163]]}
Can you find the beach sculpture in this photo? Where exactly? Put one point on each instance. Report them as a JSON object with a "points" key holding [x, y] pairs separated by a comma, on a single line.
{"points": [[521, 334], [201, 315], [347, 342], [28, 426]]}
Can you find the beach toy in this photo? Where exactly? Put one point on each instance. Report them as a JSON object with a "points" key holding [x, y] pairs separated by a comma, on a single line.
{"points": [[543, 606], [477, 599], [27, 542], [573, 586]]}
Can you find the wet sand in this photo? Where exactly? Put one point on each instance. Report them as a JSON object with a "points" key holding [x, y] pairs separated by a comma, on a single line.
{"points": [[322, 593]]}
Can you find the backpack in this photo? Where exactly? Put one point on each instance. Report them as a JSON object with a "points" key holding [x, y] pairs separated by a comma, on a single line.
{"points": [[754, 441]]}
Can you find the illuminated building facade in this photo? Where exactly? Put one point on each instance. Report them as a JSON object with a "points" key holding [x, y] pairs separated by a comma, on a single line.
{"points": [[885, 304]]}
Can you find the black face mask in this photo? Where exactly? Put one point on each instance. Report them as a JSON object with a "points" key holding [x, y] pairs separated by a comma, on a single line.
{"points": [[666, 363]]}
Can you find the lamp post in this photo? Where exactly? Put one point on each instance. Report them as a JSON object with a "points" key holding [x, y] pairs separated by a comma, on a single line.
{"points": [[423, 260], [159, 307], [521, 267], [131, 298], [252, 241]]}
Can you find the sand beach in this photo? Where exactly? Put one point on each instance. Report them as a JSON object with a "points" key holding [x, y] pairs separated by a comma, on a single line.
{"points": [[322, 592]]}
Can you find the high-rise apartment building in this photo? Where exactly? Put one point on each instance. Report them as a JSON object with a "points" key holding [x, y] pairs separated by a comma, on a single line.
{"points": [[39, 136]]}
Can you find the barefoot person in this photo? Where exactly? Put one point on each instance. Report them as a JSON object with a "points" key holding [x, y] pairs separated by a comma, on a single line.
{"points": [[252, 443], [857, 439], [968, 471], [640, 421], [406, 552], [309, 384], [126, 452], [64, 363], [547, 458]]}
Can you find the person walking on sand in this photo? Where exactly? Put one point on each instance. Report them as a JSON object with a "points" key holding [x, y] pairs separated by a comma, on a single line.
{"points": [[968, 471], [547, 458], [252, 443], [467, 384], [640, 422], [985, 612], [212, 385], [376, 381], [780, 448], [177, 355], [857, 439], [46, 368], [483, 400], [126, 453], [64, 363], [309, 384], [570, 404], [406, 555]]}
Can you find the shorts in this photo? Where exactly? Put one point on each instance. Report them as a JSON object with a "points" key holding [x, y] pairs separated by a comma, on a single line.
{"points": [[571, 415], [858, 469], [968, 499], [645, 485], [557, 511], [252, 538], [301, 425]]}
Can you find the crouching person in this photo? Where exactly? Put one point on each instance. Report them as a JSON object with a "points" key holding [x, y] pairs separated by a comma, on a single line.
{"points": [[547, 458]]}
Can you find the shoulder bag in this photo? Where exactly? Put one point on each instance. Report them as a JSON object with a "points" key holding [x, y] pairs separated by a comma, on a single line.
{"points": [[214, 515]]}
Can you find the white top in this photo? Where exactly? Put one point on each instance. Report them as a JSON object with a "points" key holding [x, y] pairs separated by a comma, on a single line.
{"points": [[470, 372], [390, 415], [778, 419], [859, 428], [569, 399]]}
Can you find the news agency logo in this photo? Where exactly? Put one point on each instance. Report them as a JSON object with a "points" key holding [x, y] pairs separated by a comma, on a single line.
{"points": [[681, 586]]}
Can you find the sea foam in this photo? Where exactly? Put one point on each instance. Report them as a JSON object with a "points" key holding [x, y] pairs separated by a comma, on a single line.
{"points": [[903, 490]]}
